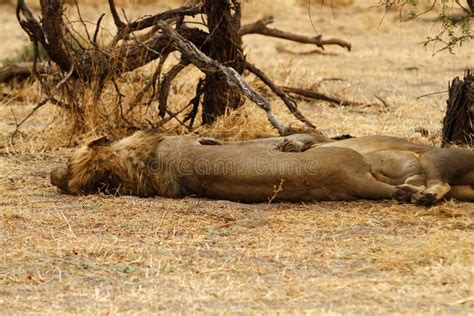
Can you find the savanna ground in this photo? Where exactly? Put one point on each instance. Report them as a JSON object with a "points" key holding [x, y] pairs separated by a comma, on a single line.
{"points": [[102, 254]]}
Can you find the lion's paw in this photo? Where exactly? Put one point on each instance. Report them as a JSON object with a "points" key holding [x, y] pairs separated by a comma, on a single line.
{"points": [[289, 146], [208, 141], [424, 198], [404, 194]]}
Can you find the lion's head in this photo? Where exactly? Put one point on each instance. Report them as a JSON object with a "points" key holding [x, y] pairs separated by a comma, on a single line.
{"points": [[88, 170]]}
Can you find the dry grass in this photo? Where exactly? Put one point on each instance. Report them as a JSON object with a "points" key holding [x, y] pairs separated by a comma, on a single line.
{"points": [[100, 254]]}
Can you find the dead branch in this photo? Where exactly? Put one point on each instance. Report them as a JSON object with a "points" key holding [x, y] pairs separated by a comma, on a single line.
{"points": [[171, 117], [383, 101], [191, 116], [208, 65], [260, 27], [218, 53], [151, 83], [166, 85], [143, 23], [97, 28], [289, 102], [314, 95]]}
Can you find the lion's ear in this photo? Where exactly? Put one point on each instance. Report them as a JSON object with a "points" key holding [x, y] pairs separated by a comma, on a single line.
{"points": [[102, 141]]}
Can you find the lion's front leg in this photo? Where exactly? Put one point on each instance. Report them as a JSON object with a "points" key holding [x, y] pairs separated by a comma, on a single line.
{"points": [[435, 191], [417, 193], [413, 185]]}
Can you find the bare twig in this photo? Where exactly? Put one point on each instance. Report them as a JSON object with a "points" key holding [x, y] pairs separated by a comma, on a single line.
{"points": [[466, 10], [164, 16], [383, 101], [118, 22], [424, 12], [97, 28], [151, 83], [431, 93], [81, 20]]}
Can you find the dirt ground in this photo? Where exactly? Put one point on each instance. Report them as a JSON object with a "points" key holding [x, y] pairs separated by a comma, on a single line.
{"points": [[102, 254]]}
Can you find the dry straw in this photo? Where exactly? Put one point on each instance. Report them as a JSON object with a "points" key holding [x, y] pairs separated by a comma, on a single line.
{"points": [[102, 254]]}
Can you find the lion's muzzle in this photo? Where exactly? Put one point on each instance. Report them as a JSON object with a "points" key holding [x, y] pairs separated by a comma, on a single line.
{"points": [[59, 177]]}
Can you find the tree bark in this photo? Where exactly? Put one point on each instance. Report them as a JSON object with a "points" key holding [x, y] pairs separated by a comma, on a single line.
{"points": [[225, 46], [458, 124]]}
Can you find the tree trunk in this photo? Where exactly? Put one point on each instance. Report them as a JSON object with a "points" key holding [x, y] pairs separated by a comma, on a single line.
{"points": [[225, 46], [458, 124]]}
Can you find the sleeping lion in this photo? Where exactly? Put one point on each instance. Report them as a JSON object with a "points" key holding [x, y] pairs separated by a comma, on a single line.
{"points": [[294, 168]]}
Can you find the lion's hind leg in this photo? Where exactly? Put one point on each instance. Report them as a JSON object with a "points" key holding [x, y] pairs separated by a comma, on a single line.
{"points": [[367, 187], [462, 192], [434, 192], [444, 168]]}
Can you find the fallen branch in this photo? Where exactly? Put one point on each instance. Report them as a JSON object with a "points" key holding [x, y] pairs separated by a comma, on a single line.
{"points": [[283, 49], [314, 95], [210, 66], [260, 27], [22, 71]]}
